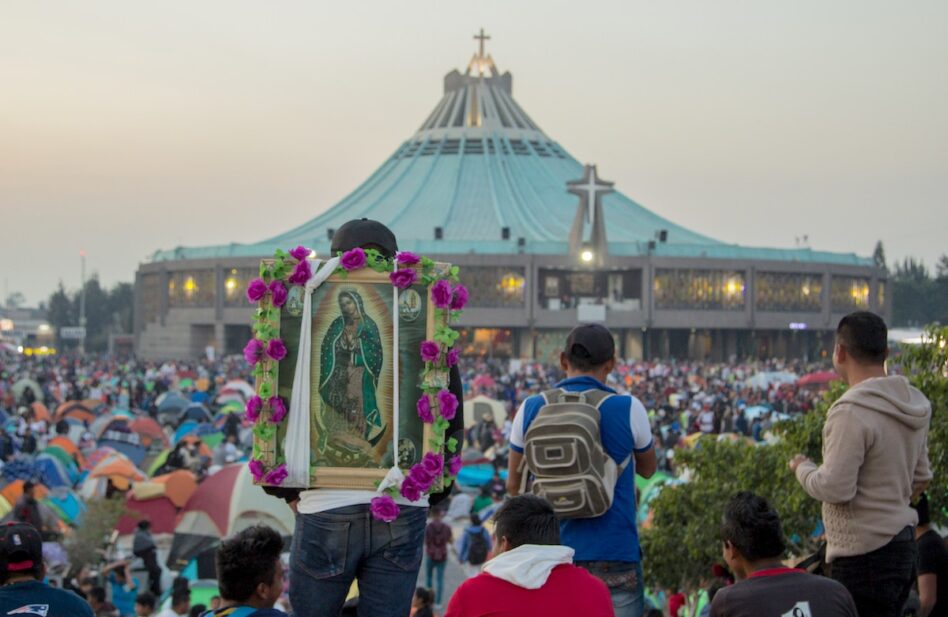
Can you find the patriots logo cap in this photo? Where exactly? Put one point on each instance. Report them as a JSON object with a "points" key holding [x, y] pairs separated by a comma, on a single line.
{"points": [[21, 548]]}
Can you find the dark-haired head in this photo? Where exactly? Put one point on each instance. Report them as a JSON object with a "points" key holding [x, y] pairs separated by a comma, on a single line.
{"points": [[751, 532], [249, 568], [864, 336], [526, 519], [475, 519], [146, 600]]}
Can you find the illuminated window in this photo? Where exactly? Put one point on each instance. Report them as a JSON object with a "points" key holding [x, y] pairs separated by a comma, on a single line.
{"points": [[235, 285], [191, 289], [789, 291], [849, 293], [714, 290], [494, 287]]}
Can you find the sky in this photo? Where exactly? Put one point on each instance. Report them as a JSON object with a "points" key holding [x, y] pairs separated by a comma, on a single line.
{"points": [[128, 127]]}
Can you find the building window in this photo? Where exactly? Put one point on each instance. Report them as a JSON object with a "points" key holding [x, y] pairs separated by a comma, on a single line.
{"points": [[191, 289], [567, 289], [789, 291], [849, 293], [702, 290], [150, 297], [880, 295], [235, 285], [486, 342], [495, 287]]}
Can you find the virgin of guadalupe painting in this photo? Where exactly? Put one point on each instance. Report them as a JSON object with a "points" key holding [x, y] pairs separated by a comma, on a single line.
{"points": [[351, 380], [351, 360]]}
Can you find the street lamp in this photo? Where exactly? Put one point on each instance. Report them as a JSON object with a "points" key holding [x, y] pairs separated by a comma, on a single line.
{"points": [[586, 256]]}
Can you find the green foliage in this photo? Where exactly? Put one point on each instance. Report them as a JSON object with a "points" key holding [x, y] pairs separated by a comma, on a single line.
{"points": [[917, 297], [89, 540], [683, 541], [108, 311], [926, 366]]}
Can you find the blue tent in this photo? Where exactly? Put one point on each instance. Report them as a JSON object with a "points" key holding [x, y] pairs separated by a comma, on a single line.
{"points": [[51, 471], [186, 428], [67, 504]]}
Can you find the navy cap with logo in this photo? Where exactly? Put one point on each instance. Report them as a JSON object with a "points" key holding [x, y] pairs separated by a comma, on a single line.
{"points": [[21, 548], [591, 342], [364, 233]]}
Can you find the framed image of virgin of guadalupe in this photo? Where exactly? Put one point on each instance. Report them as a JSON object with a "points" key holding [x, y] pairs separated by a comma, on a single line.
{"points": [[361, 328]]}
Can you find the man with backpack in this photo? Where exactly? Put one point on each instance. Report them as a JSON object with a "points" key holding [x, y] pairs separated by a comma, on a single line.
{"points": [[583, 444], [475, 547]]}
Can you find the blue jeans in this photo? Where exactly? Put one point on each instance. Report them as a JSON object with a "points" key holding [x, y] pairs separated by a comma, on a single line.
{"points": [[624, 581], [438, 568], [331, 549]]}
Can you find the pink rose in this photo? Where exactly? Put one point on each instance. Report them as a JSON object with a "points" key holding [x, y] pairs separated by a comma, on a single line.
{"points": [[353, 260], [454, 465], [459, 299], [278, 293], [301, 273], [277, 409], [430, 351], [256, 469], [403, 279], [300, 253], [410, 489], [434, 463], [253, 351], [405, 258], [384, 508], [448, 404], [256, 290], [453, 357], [424, 409], [441, 294], [421, 477], [252, 409], [276, 475], [276, 349]]}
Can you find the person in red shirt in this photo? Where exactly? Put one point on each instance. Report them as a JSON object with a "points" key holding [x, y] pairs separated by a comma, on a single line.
{"points": [[531, 572]]}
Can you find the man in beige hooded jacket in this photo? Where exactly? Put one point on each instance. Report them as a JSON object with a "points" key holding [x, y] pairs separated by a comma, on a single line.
{"points": [[875, 458]]}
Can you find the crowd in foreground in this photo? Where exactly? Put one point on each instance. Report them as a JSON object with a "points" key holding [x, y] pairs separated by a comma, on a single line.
{"points": [[569, 546]]}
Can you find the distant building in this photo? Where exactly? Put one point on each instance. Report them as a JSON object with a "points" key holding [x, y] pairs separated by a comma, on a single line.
{"points": [[543, 244]]}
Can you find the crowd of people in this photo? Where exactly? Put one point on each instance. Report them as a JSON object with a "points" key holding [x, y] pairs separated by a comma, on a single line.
{"points": [[558, 536]]}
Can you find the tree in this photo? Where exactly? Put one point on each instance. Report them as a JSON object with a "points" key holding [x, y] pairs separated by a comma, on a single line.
{"points": [[88, 540], [15, 300], [915, 299], [926, 366], [941, 268], [60, 312], [878, 257], [107, 311], [683, 541]]}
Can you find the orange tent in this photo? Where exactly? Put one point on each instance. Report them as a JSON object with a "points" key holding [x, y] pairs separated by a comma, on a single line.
{"points": [[40, 412], [14, 490], [75, 409], [118, 469], [70, 448], [177, 486], [148, 430]]}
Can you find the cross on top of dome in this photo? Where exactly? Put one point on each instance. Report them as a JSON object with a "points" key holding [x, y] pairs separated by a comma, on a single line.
{"points": [[481, 64], [481, 38]]}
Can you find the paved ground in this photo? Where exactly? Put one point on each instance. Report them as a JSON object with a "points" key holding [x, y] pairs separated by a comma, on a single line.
{"points": [[453, 574]]}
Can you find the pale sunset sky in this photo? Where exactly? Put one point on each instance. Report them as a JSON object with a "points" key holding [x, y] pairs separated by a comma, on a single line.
{"points": [[127, 127]]}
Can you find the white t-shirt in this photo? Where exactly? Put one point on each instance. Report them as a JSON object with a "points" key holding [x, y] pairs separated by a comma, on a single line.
{"points": [[324, 499]]}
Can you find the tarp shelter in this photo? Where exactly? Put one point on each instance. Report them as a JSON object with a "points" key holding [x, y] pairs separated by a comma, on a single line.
{"points": [[819, 378], [476, 408], [225, 503], [765, 379]]}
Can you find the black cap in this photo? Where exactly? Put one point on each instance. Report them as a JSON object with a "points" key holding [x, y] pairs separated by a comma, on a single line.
{"points": [[362, 233], [591, 342], [21, 548]]}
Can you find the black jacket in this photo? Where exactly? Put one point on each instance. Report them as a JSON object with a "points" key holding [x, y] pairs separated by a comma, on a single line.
{"points": [[455, 429]]}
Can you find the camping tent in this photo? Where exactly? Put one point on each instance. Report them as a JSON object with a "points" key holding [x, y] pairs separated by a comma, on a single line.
{"points": [[223, 504], [476, 408]]}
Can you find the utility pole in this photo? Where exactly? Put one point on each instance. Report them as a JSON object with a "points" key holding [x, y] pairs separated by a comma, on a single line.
{"points": [[82, 300]]}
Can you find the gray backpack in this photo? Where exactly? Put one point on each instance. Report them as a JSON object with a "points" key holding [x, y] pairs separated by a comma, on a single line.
{"points": [[564, 452]]}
